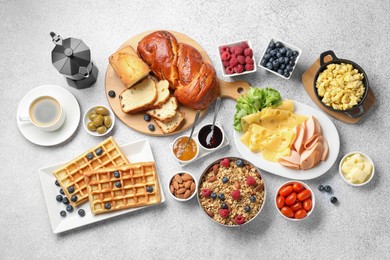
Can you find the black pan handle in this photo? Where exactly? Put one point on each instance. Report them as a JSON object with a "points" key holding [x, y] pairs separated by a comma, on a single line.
{"points": [[326, 53], [356, 112]]}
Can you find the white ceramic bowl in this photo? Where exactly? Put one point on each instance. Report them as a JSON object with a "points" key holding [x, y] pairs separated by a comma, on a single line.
{"points": [[193, 194], [211, 149], [313, 200], [231, 45], [197, 152], [357, 184], [285, 44], [86, 121]]}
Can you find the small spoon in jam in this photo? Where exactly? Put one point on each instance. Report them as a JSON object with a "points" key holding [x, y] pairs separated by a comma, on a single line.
{"points": [[211, 134], [193, 126]]}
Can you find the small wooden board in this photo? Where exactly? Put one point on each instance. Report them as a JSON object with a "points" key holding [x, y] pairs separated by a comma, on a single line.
{"points": [[228, 90], [308, 81]]}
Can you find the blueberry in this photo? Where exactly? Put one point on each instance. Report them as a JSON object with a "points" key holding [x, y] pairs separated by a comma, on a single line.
{"points": [[280, 71], [321, 187], [118, 184], [288, 53], [271, 60], [65, 200], [225, 179], [283, 50], [99, 151], [59, 198], [213, 195], [69, 208], [286, 60], [252, 198], [149, 189], [273, 53], [333, 200], [151, 127], [240, 163], [147, 118], [263, 62], [71, 189], [267, 51], [269, 66], [111, 93], [328, 188], [107, 206], [281, 60], [292, 63], [90, 156], [267, 56], [224, 206], [271, 46], [295, 53], [63, 213], [62, 192], [247, 208], [74, 198], [286, 75], [282, 66], [278, 45], [221, 196], [117, 174], [275, 64], [57, 183], [81, 212], [293, 58], [288, 68], [279, 54]]}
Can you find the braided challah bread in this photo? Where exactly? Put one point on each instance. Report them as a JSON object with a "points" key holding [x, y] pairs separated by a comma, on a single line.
{"points": [[193, 81]]}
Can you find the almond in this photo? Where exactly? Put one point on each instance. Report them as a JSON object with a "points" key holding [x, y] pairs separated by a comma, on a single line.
{"points": [[187, 194], [216, 168], [237, 185], [181, 191], [186, 177], [212, 178], [211, 214], [180, 196], [172, 189], [259, 187], [175, 184], [178, 178], [187, 184], [181, 185], [193, 186]]}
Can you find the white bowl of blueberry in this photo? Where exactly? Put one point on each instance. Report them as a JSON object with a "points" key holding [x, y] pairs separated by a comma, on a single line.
{"points": [[280, 58]]}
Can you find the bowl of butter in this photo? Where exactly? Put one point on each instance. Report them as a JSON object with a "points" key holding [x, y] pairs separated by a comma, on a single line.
{"points": [[356, 169]]}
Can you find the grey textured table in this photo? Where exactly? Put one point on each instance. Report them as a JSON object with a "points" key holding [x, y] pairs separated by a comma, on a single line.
{"points": [[357, 228]]}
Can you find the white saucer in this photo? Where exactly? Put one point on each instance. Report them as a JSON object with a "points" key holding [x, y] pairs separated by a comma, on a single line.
{"points": [[70, 107]]}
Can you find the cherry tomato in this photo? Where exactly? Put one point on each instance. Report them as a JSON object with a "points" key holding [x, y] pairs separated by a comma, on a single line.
{"points": [[300, 214], [307, 204], [304, 195], [291, 199], [285, 191], [287, 211], [280, 202], [298, 187], [296, 206]]}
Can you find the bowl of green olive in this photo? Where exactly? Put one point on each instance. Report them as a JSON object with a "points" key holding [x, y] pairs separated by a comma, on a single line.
{"points": [[99, 120]]}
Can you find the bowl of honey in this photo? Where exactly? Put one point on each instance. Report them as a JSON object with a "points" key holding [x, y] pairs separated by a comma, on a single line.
{"points": [[210, 138], [185, 149]]}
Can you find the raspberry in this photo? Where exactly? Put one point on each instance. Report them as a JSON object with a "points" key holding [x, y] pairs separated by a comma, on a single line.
{"points": [[229, 70], [234, 62], [249, 60], [239, 219], [244, 45], [249, 67], [206, 192], [233, 55], [225, 56], [238, 50], [248, 52], [225, 162], [251, 181], [224, 213], [241, 59], [224, 49], [236, 195], [232, 50], [239, 68], [226, 63]]}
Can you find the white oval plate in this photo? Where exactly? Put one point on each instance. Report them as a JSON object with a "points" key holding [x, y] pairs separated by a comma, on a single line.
{"points": [[70, 106], [330, 133]]}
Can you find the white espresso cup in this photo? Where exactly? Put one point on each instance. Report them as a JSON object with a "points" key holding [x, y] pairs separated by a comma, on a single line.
{"points": [[46, 113]]}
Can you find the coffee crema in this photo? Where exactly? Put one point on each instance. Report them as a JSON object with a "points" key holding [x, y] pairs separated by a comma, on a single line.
{"points": [[45, 111]]}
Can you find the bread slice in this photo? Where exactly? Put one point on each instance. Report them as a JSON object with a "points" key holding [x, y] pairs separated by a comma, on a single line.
{"points": [[139, 97], [167, 110], [163, 94], [128, 66], [172, 124]]}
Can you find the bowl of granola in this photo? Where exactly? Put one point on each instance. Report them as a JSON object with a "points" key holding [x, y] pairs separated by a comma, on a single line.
{"points": [[231, 191]]}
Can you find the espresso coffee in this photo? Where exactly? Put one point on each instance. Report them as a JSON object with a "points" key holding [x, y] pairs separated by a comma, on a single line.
{"points": [[45, 111]]}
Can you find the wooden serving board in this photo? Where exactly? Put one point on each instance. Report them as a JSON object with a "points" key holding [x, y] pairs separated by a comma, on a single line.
{"points": [[228, 90], [308, 81]]}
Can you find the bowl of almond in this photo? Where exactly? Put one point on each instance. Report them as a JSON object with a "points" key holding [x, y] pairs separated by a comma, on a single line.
{"points": [[182, 186], [231, 191]]}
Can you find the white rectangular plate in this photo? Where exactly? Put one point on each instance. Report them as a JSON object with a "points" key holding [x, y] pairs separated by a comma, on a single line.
{"points": [[138, 151]]}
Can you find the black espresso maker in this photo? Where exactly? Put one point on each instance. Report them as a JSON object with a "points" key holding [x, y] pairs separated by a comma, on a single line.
{"points": [[72, 58]]}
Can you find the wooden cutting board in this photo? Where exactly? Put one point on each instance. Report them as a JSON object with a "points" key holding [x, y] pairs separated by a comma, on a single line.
{"points": [[308, 81], [228, 90]]}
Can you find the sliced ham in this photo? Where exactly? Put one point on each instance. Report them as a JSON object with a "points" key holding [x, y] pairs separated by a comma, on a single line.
{"points": [[326, 149], [309, 158], [300, 135], [289, 165]]}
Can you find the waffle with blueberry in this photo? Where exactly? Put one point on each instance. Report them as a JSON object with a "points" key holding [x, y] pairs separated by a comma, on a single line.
{"points": [[71, 176], [123, 187]]}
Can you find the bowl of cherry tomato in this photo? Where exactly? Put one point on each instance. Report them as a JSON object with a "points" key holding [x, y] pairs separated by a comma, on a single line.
{"points": [[295, 200]]}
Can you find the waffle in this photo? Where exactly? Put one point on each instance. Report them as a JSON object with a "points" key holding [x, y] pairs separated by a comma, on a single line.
{"points": [[123, 187], [72, 173]]}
